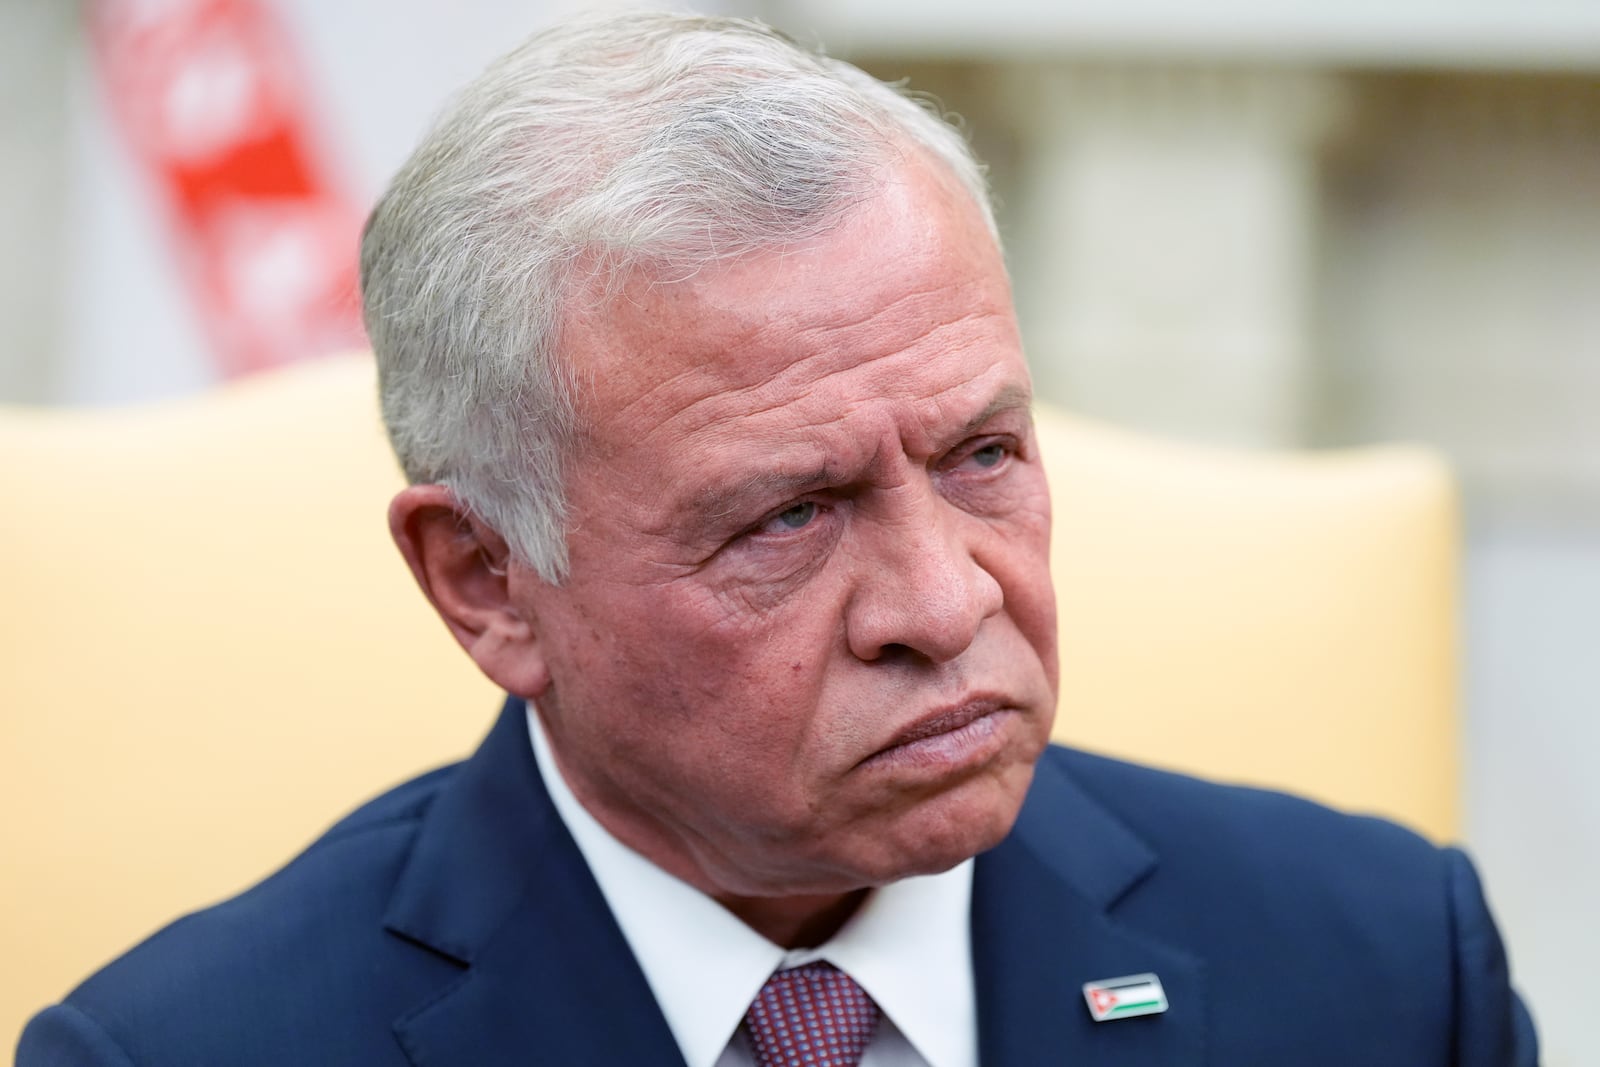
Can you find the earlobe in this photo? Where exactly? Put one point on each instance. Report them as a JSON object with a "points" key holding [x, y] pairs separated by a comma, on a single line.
{"points": [[463, 567]]}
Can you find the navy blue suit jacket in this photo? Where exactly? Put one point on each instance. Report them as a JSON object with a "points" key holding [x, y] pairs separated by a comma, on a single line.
{"points": [[453, 921]]}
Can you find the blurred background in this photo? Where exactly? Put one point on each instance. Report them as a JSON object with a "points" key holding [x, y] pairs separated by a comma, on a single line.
{"points": [[1259, 222]]}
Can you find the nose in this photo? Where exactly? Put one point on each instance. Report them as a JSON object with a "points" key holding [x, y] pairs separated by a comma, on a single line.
{"points": [[920, 586]]}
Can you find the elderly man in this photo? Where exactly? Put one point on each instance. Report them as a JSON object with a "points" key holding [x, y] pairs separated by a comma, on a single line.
{"points": [[698, 351]]}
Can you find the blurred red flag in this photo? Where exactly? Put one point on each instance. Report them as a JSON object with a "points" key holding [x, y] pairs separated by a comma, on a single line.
{"points": [[212, 102]]}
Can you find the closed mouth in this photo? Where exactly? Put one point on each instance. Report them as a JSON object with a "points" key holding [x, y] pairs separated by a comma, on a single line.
{"points": [[962, 726]]}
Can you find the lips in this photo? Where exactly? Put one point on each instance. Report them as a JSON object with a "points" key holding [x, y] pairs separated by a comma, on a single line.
{"points": [[946, 735]]}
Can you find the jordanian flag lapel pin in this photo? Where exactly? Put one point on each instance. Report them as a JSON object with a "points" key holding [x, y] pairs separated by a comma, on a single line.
{"points": [[1125, 998]]}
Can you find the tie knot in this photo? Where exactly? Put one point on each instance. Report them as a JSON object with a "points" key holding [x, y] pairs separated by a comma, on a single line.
{"points": [[811, 1016]]}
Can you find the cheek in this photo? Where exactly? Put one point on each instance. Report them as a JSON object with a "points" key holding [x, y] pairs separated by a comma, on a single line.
{"points": [[1020, 560], [1027, 562], [1037, 621], [705, 662]]}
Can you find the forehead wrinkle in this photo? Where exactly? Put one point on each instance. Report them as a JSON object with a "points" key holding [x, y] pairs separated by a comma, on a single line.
{"points": [[772, 392], [721, 500], [751, 321], [936, 294], [820, 461], [872, 311], [788, 476], [749, 325], [821, 363], [672, 309]]}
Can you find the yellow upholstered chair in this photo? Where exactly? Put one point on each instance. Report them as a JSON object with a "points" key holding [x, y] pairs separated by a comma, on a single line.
{"points": [[1282, 619], [210, 649]]}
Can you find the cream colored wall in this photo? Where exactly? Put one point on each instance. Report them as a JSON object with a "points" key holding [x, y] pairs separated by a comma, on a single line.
{"points": [[1460, 272]]}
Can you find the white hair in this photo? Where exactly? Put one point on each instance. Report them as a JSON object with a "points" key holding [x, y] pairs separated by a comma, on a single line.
{"points": [[606, 143]]}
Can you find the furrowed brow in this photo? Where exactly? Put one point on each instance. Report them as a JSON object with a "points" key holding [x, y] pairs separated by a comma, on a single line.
{"points": [[730, 499], [734, 499], [1011, 398]]}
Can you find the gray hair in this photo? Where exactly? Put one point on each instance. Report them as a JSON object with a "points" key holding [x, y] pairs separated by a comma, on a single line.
{"points": [[604, 144]]}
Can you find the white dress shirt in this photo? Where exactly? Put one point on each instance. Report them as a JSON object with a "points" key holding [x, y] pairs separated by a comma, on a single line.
{"points": [[909, 947]]}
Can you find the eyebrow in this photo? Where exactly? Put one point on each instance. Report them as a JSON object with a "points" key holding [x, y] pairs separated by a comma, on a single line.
{"points": [[724, 500], [1011, 398]]}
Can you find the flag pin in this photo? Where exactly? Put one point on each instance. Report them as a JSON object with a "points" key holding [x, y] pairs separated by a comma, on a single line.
{"points": [[1125, 998]]}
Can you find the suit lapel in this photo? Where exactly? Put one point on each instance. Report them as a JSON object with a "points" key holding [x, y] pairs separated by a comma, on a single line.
{"points": [[496, 884], [1043, 924]]}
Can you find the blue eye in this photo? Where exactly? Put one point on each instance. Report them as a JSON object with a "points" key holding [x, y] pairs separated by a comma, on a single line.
{"points": [[796, 516], [989, 455]]}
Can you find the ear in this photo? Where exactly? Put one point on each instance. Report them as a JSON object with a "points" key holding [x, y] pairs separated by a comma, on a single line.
{"points": [[462, 566]]}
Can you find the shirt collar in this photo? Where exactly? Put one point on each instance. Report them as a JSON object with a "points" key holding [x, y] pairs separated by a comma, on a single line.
{"points": [[909, 946]]}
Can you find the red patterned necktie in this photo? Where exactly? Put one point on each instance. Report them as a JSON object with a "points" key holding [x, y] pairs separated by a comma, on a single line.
{"points": [[811, 1016]]}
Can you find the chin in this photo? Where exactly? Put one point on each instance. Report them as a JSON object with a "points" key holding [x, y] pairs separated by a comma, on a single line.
{"points": [[950, 830]]}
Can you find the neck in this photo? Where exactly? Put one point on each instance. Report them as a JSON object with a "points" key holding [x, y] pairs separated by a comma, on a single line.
{"points": [[802, 921], [795, 922]]}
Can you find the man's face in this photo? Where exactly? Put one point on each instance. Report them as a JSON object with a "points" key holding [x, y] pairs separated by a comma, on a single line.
{"points": [[807, 643]]}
